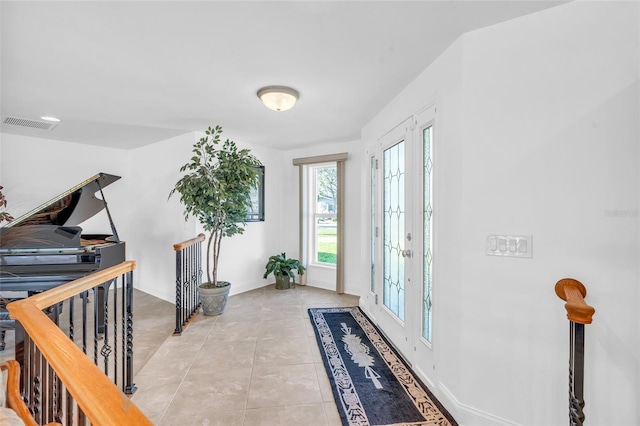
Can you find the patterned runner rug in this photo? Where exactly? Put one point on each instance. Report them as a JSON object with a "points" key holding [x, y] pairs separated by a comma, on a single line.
{"points": [[372, 385]]}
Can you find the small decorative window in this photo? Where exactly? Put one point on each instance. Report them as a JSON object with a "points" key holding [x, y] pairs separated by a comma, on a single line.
{"points": [[256, 212]]}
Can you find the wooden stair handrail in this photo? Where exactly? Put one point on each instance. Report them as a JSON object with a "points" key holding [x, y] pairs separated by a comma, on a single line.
{"points": [[183, 245], [101, 400], [573, 292], [13, 397], [61, 293]]}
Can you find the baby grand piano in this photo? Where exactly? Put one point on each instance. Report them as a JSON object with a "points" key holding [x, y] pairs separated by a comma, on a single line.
{"points": [[45, 248]]}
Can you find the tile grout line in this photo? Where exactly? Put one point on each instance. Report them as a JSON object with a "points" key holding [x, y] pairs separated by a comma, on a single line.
{"points": [[164, 411]]}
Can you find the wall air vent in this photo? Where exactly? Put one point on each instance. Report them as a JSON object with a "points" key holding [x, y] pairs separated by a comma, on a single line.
{"points": [[27, 122]]}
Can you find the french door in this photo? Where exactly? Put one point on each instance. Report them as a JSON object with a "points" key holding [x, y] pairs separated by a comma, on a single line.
{"points": [[403, 241], [395, 232]]}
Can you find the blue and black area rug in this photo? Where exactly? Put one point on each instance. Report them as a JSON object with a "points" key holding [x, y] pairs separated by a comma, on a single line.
{"points": [[372, 385]]}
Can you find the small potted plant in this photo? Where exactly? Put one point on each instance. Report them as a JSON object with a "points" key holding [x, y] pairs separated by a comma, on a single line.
{"points": [[216, 190], [282, 268]]}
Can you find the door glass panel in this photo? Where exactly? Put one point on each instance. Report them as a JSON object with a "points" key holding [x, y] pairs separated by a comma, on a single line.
{"points": [[373, 225], [393, 268], [427, 215]]}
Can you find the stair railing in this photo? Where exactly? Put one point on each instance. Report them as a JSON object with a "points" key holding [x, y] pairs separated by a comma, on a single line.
{"points": [[64, 380], [579, 314], [188, 278]]}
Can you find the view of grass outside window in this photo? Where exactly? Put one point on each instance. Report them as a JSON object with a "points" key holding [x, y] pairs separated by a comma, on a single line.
{"points": [[325, 237]]}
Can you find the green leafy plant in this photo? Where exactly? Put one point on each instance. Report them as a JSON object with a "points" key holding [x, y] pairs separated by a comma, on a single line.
{"points": [[280, 266], [216, 190]]}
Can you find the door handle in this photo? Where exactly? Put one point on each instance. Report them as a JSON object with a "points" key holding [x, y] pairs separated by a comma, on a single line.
{"points": [[406, 253]]}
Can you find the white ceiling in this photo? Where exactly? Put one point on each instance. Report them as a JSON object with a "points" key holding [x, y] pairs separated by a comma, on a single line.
{"points": [[126, 74]]}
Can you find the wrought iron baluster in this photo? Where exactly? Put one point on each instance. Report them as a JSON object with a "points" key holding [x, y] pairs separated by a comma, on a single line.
{"points": [[115, 331], [84, 298], [105, 351], [188, 273], [96, 335], [37, 386], [579, 314], [130, 387], [123, 334], [44, 392], [179, 272]]}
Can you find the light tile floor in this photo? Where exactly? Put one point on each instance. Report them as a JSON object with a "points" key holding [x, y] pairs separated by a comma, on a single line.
{"points": [[256, 364], [154, 321]]}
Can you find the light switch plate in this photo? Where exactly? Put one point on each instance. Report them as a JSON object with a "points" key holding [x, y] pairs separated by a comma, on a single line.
{"points": [[509, 245]]}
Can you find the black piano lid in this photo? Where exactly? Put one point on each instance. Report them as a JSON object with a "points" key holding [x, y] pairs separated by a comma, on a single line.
{"points": [[70, 208]]}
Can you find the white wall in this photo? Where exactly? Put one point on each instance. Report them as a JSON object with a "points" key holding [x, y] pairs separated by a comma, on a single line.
{"points": [[538, 135], [318, 276], [156, 222], [34, 170], [159, 223]]}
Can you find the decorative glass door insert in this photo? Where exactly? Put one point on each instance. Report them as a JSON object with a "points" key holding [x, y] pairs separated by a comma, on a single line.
{"points": [[394, 217], [427, 213]]}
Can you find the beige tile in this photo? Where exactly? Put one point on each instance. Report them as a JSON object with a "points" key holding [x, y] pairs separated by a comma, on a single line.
{"points": [[333, 416], [324, 383], [202, 320], [281, 297], [275, 312], [205, 416], [283, 328], [216, 355], [311, 332], [249, 298], [228, 331], [155, 393], [307, 414], [170, 358], [197, 330], [316, 356], [294, 350], [241, 314], [283, 385], [211, 391]]}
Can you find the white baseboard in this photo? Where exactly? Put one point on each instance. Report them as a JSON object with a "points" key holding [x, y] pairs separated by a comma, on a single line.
{"points": [[324, 286], [467, 415], [462, 413], [246, 286]]}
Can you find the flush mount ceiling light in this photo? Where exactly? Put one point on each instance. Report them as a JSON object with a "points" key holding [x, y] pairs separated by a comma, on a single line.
{"points": [[278, 98]]}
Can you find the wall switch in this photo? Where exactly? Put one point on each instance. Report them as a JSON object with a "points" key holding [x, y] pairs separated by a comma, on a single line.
{"points": [[509, 245], [492, 243]]}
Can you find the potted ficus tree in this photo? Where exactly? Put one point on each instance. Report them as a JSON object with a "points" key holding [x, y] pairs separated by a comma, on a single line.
{"points": [[216, 190], [282, 269]]}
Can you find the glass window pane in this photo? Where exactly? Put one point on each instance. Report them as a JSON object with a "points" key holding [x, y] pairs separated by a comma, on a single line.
{"points": [[326, 240], [326, 179]]}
